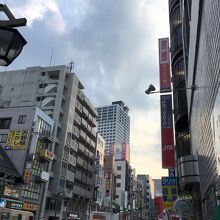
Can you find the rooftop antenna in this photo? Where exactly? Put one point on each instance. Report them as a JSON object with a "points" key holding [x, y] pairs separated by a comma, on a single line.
{"points": [[71, 65], [51, 57]]}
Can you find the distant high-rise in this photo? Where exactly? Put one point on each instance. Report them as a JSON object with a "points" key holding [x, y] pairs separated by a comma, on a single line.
{"points": [[114, 125]]}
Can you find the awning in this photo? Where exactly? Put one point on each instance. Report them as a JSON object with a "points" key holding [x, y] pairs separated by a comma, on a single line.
{"points": [[6, 165]]}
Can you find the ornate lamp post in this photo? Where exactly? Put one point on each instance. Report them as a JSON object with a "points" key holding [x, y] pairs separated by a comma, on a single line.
{"points": [[11, 41]]}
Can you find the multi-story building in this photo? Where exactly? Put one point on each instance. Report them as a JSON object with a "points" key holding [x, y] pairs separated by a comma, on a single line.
{"points": [[100, 177], [110, 184], [58, 92], [123, 183], [114, 125], [148, 184], [25, 136], [195, 39]]}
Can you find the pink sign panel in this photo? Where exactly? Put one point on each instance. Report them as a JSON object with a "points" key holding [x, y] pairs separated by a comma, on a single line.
{"points": [[164, 62]]}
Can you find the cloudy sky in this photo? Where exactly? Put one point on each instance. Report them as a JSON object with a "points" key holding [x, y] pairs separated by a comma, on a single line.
{"points": [[114, 45]]}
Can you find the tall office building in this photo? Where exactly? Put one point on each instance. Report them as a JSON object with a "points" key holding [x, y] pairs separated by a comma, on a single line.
{"points": [[114, 125], [58, 92], [195, 55]]}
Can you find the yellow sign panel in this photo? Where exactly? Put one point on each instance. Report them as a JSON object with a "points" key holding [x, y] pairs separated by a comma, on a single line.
{"points": [[17, 139], [169, 196]]}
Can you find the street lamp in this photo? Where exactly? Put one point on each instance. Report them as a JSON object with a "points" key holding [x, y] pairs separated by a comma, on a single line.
{"points": [[151, 89], [11, 41]]}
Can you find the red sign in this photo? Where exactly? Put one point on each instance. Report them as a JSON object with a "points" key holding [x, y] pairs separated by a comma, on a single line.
{"points": [[112, 147], [168, 156], [30, 206], [164, 61]]}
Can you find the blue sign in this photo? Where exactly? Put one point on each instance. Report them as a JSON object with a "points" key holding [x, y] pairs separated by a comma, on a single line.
{"points": [[169, 181], [172, 172]]}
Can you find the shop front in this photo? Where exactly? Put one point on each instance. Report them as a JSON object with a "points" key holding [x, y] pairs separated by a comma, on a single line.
{"points": [[16, 210]]}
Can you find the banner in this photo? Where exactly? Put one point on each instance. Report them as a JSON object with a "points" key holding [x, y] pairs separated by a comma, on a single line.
{"points": [[17, 140], [169, 190], [167, 142], [164, 62]]}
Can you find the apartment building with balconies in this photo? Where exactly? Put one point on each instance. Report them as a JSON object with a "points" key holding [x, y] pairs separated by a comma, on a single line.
{"points": [[59, 93]]}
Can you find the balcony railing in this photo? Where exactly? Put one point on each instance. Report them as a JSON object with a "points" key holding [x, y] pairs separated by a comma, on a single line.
{"points": [[70, 176], [72, 160]]}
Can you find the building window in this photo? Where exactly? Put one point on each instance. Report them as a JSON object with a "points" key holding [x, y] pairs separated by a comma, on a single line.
{"points": [[5, 123], [22, 119], [118, 185], [118, 167], [3, 138], [119, 176]]}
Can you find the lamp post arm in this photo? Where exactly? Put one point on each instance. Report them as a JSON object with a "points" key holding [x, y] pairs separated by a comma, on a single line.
{"points": [[12, 22]]}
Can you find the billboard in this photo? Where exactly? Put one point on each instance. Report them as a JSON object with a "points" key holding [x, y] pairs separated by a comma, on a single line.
{"points": [[17, 140], [119, 151], [167, 142], [169, 191], [164, 62]]}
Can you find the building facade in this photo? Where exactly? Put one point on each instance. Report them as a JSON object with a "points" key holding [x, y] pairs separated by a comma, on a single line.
{"points": [[25, 136], [58, 92], [197, 36], [114, 125], [100, 175]]}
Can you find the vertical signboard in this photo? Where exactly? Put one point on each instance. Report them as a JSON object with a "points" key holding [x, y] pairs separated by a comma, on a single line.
{"points": [[168, 156], [164, 62], [169, 190]]}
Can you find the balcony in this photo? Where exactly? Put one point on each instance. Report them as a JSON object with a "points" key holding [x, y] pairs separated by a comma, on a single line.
{"points": [[85, 111], [92, 143], [72, 160], [78, 175], [93, 132], [77, 118], [79, 191], [70, 176], [79, 106], [81, 148], [74, 145], [46, 154], [76, 131], [80, 95], [91, 155], [84, 123], [188, 171], [79, 161], [83, 134]]}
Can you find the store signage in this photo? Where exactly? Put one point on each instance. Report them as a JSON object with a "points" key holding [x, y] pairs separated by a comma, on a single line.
{"points": [[11, 191], [183, 207], [17, 139], [172, 172], [169, 191], [14, 205], [30, 206], [164, 62], [167, 141]]}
